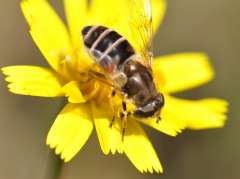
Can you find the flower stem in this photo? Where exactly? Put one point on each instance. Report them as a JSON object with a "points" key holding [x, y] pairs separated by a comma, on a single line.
{"points": [[54, 166]]}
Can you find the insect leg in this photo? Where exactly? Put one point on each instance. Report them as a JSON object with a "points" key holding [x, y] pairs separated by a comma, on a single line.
{"points": [[124, 116], [113, 93], [158, 119]]}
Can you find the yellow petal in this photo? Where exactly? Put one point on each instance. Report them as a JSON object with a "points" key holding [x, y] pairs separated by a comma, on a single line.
{"points": [[70, 130], [33, 81], [170, 126], [139, 149], [76, 12], [72, 91], [47, 30], [127, 19], [139, 21], [179, 114], [115, 141], [101, 121], [196, 114], [101, 12], [116, 144], [109, 137], [136, 145], [158, 12], [183, 71]]}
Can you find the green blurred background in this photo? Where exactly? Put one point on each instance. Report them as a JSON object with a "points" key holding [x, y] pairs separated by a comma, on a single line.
{"points": [[211, 26]]}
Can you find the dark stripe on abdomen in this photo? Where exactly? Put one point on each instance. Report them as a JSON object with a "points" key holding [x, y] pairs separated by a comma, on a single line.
{"points": [[89, 41], [122, 52], [107, 41], [117, 53]]}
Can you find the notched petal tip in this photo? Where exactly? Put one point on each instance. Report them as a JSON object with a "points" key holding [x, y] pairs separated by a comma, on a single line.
{"points": [[197, 114], [4, 70], [102, 119], [135, 144], [216, 114], [179, 114], [70, 131], [139, 149], [33, 81]]}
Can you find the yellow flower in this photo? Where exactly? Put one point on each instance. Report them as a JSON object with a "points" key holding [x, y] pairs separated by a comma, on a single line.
{"points": [[88, 99]]}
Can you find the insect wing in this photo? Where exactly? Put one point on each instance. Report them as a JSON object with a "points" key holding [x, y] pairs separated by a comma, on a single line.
{"points": [[141, 28], [103, 78]]}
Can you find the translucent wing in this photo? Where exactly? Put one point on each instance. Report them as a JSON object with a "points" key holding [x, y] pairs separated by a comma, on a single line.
{"points": [[101, 77], [141, 28]]}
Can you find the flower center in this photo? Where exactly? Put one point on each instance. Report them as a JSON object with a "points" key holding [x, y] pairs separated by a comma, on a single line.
{"points": [[90, 85]]}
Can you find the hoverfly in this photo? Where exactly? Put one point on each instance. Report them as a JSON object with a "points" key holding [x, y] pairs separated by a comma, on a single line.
{"points": [[127, 68]]}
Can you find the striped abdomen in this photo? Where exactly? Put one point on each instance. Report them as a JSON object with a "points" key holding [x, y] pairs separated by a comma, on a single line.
{"points": [[108, 48]]}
